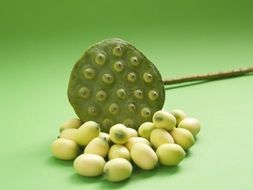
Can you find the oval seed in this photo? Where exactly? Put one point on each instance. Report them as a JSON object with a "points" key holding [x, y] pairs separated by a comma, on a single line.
{"points": [[118, 66], [98, 145], [84, 92], [183, 137], [100, 59], [131, 77], [147, 77], [152, 95], [119, 134], [191, 124], [107, 78], [89, 73], [119, 151], [101, 95], [121, 93]]}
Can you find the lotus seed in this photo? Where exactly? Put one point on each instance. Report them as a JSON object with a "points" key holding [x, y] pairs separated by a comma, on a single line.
{"points": [[101, 95], [84, 92], [135, 61], [153, 95], [138, 94], [107, 78], [100, 59], [118, 66], [145, 112], [107, 123], [129, 123], [131, 107], [114, 108], [147, 77], [121, 93], [117, 51], [89, 73], [92, 110], [131, 77]]}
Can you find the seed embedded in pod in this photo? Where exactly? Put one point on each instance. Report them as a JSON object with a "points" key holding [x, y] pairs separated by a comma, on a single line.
{"points": [[145, 112], [117, 51], [114, 108], [129, 123], [134, 61], [152, 95], [138, 94], [147, 77], [100, 59], [131, 107], [84, 92], [89, 73], [121, 93], [101, 95], [107, 78], [131, 77], [92, 110], [118, 66], [107, 123]]}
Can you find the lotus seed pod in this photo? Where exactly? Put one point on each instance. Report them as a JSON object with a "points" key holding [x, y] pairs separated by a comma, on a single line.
{"points": [[133, 140], [119, 134], [88, 131], [144, 156], [183, 137], [145, 130], [89, 165], [179, 115], [119, 151], [191, 124], [72, 123], [132, 132], [98, 145], [170, 154], [114, 72], [64, 149], [69, 134], [117, 169], [164, 120], [159, 137]]}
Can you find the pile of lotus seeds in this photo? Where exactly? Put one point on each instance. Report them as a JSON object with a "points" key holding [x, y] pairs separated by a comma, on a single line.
{"points": [[164, 141]]}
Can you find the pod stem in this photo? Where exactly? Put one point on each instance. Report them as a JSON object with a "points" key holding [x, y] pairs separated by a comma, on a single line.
{"points": [[210, 76]]}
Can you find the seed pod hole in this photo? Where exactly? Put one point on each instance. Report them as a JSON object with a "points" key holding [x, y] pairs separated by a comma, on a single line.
{"points": [[107, 78], [118, 66], [117, 51], [89, 73], [114, 108], [135, 61], [121, 93], [100, 59], [145, 112], [152, 95], [131, 77], [138, 94], [131, 107], [92, 110], [101, 95], [147, 77], [84, 92]]}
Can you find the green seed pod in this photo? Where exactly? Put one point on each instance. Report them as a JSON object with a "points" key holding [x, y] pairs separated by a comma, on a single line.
{"points": [[64, 149], [98, 146], [119, 134], [170, 154], [164, 120], [144, 156], [88, 131], [115, 72], [159, 137], [119, 151], [117, 169], [190, 124], [89, 165], [72, 123], [145, 130], [183, 137], [179, 115]]}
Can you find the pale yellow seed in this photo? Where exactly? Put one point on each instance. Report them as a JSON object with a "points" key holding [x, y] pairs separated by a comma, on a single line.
{"points": [[131, 141], [145, 130], [71, 123], [132, 132], [119, 151], [159, 137], [69, 134], [98, 145], [183, 137]]}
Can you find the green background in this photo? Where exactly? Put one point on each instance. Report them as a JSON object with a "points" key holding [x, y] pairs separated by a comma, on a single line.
{"points": [[41, 40]]}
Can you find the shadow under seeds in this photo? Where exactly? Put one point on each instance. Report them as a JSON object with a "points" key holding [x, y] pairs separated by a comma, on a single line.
{"points": [[52, 161]]}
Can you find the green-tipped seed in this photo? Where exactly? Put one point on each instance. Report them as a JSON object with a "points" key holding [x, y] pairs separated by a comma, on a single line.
{"points": [[117, 51], [121, 93], [131, 77], [100, 59], [145, 112], [131, 107], [84, 92], [107, 78], [152, 95], [138, 94], [89, 73], [92, 110], [134, 61], [101, 95], [114, 108], [118, 66], [147, 77]]}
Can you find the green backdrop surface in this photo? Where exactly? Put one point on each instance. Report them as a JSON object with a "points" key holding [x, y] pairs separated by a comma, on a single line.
{"points": [[41, 40]]}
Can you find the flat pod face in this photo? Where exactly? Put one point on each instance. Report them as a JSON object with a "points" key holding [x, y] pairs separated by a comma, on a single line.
{"points": [[112, 83]]}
